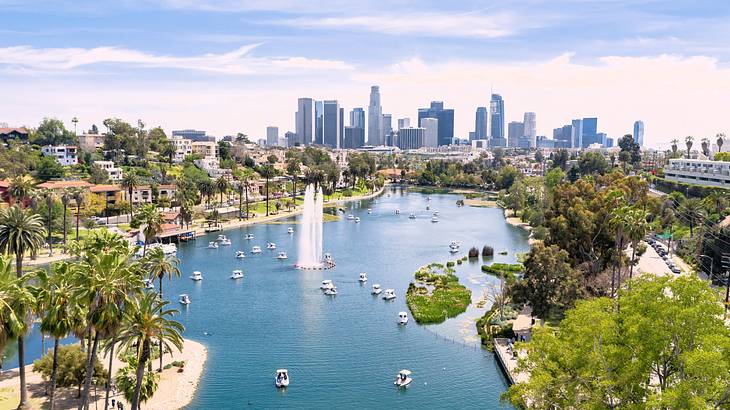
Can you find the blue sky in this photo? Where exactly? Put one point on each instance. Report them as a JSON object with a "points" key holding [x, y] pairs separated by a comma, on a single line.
{"points": [[229, 66]]}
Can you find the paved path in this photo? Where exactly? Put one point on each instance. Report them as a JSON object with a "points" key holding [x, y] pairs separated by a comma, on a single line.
{"points": [[508, 361]]}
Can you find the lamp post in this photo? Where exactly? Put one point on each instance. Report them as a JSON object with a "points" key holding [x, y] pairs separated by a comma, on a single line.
{"points": [[711, 263]]}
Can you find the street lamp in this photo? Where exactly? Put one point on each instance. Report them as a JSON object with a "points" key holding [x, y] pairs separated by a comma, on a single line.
{"points": [[711, 262]]}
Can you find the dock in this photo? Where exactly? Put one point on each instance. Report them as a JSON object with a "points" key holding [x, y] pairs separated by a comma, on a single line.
{"points": [[508, 362]]}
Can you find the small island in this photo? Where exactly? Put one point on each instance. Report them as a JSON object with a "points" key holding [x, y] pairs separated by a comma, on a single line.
{"points": [[436, 294]]}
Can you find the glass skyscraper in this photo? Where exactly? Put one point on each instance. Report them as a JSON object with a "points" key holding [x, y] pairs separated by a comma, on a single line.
{"points": [[639, 132], [445, 119], [496, 114], [480, 126], [331, 123]]}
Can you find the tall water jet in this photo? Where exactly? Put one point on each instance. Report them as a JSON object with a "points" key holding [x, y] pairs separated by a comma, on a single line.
{"points": [[310, 239]]}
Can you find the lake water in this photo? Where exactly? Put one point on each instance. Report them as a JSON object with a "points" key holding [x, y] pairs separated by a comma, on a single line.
{"points": [[343, 351]]}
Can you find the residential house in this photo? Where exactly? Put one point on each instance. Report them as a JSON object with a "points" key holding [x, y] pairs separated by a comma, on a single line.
{"points": [[65, 154], [114, 173], [140, 195], [91, 142], [205, 149], [13, 133], [166, 191], [183, 148]]}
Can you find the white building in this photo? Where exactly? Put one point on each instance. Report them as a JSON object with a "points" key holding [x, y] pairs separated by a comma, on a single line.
{"points": [[530, 124], [183, 148], [205, 148], [431, 131], [115, 174], [699, 172], [64, 154]]}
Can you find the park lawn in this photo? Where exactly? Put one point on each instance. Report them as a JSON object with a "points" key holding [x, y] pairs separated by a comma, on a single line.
{"points": [[447, 298]]}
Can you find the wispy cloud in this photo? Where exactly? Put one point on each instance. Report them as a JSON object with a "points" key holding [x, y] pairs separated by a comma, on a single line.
{"points": [[421, 24], [236, 62]]}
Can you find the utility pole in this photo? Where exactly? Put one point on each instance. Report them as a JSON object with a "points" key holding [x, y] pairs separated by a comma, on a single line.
{"points": [[726, 265]]}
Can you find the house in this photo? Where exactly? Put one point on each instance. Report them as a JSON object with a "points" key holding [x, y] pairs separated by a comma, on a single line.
{"points": [[106, 194], [205, 149], [183, 148], [167, 191], [91, 142], [65, 154], [60, 186], [115, 174], [13, 133], [140, 195]]}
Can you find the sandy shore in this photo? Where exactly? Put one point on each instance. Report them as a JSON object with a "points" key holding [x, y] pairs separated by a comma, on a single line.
{"points": [[174, 391]]}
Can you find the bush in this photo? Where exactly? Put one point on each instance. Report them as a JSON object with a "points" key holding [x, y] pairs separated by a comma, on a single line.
{"points": [[540, 233], [473, 252], [449, 264], [347, 192], [487, 251], [71, 367], [459, 261]]}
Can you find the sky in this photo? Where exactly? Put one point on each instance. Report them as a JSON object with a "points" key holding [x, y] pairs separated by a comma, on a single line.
{"points": [[228, 66]]}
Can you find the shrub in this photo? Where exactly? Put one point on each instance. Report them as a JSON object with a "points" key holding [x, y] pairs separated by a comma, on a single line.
{"points": [[540, 233], [459, 261], [487, 251], [347, 192], [473, 252], [71, 367], [449, 264]]}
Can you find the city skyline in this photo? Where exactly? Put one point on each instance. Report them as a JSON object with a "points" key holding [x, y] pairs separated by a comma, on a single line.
{"points": [[233, 66]]}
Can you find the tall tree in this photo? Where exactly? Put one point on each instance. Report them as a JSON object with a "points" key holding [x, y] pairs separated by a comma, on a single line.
{"points": [[222, 186], [50, 197], [693, 212], [688, 142], [152, 220], [720, 141], [159, 265], [20, 232], [636, 230], [130, 182], [293, 167], [20, 188], [268, 172], [66, 197], [78, 196]]}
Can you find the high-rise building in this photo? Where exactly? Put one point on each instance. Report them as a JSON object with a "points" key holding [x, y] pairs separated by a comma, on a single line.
{"points": [[410, 138], [375, 118], [445, 119], [357, 118], [290, 139], [481, 132], [563, 136], [272, 136], [515, 131], [590, 132], [404, 122], [192, 135], [318, 122], [639, 133], [387, 125], [430, 131], [341, 136], [304, 121], [354, 137], [577, 135], [530, 121], [331, 123], [496, 118]]}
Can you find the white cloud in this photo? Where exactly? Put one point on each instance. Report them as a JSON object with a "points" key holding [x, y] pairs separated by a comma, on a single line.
{"points": [[418, 24], [236, 62]]}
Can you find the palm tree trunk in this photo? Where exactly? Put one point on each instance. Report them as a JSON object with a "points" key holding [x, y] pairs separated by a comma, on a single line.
{"points": [[21, 347], [631, 263], [240, 192], [247, 203], [160, 294], [140, 373], [131, 207], [78, 215], [50, 236], [267, 196], [54, 372], [89, 374], [109, 373]]}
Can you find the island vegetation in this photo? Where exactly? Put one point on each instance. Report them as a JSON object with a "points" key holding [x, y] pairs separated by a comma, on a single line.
{"points": [[436, 294]]}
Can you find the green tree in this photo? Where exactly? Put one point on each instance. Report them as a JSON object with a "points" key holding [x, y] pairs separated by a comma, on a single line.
{"points": [[152, 220], [268, 172], [20, 188], [592, 163], [130, 182], [20, 232], [159, 265], [127, 382], [636, 230], [222, 186], [688, 141], [51, 131], [206, 188], [66, 197], [293, 168], [148, 319], [78, 196], [68, 364], [507, 176], [48, 168], [97, 175]]}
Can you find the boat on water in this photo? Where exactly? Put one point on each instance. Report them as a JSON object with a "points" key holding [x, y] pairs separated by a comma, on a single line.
{"points": [[256, 249], [331, 291], [350, 217], [434, 219], [237, 274], [282, 378], [402, 318], [240, 254], [428, 207], [403, 379], [357, 220], [389, 294], [454, 247], [412, 216], [397, 211], [184, 299], [196, 276], [435, 213], [167, 248], [376, 289], [271, 245], [248, 237], [363, 277], [370, 210], [281, 255], [326, 284], [223, 240], [212, 245], [328, 258], [290, 230]]}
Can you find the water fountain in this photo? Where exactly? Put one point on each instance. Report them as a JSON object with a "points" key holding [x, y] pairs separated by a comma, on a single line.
{"points": [[310, 235]]}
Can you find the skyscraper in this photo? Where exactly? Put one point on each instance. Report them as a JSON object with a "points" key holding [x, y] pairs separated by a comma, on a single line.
{"points": [[404, 123], [357, 118], [331, 121], [354, 136], [639, 133], [515, 131], [577, 136], [480, 126], [318, 122], [387, 125], [563, 136], [430, 131], [590, 132], [341, 135], [410, 138], [445, 119], [530, 121], [304, 121], [272, 136], [375, 118], [496, 118]]}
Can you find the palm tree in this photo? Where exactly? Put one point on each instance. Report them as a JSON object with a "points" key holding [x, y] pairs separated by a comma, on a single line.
{"points": [[293, 166], [66, 197], [20, 232], [688, 142], [20, 188], [206, 188], [222, 186], [59, 312], [635, 229], [49, 196], [246, 177], [130, 182], [106, 282], [706, 147], [145, 320], [152, 220], [158, 265], [720, 141], [619, 221], [239, 187], [674, 146], [186, 212], [267, 171], [693, 212], [78, 196]]}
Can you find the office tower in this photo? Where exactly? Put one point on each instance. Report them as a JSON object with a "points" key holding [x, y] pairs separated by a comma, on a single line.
{"points": [[318, 122], [375, 118], [387, 125], [480, 127], [577, 135], [410, 138], [193, 135], [331, 123], [404, 123], [609, 142], [354, 137], [496, 118], [290, 138], [430, 131], [515, 131], [341, 135], [590, 132], [445, 119], [391, 140], [563, 136], [357, 118], [272, 136], [639, 133], [530, 121], [304, 121], [601, 138]]}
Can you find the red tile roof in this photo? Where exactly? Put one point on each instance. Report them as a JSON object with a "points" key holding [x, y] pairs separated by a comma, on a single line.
{"points": [[64, 184], [105, 188], [6, 130]]}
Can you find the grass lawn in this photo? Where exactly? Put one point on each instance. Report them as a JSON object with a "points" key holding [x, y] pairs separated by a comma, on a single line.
{"points": [[436, 295]]}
